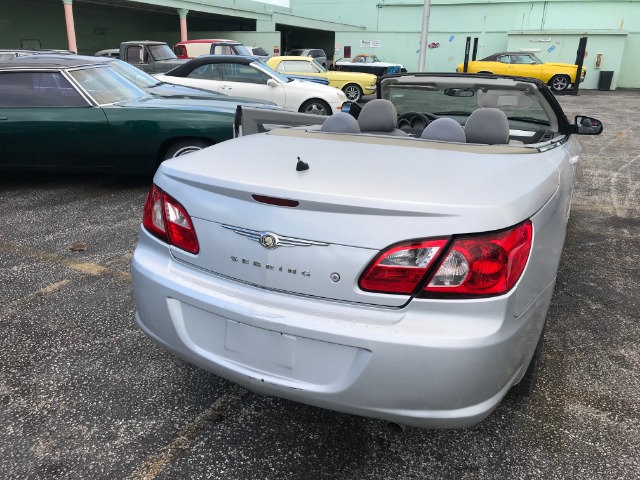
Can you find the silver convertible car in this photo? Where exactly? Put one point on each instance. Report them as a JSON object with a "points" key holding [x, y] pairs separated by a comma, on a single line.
{"points": [[398, 266]]}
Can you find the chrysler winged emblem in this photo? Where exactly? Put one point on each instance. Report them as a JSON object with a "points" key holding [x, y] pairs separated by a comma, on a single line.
{"points": [[272, 240]]}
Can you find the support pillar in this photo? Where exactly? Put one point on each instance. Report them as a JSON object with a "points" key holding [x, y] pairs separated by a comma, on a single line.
{"points": [[183, 12], [71, 29]]}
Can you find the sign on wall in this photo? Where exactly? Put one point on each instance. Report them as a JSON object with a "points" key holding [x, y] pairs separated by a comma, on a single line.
{"points": [[371, 43]]}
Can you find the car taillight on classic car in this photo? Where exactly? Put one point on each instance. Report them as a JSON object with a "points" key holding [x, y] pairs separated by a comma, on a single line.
{"points": [[165, 218], [473, 265]]}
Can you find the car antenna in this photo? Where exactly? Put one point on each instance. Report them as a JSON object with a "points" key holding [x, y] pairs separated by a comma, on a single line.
{"points": [[301, 166]]}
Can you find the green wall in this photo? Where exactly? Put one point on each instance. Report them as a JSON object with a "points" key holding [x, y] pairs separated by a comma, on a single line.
{"points": [[613, 27]]}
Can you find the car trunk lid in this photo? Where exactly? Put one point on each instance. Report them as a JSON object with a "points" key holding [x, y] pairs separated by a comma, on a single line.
{"points": [[358, 195]]}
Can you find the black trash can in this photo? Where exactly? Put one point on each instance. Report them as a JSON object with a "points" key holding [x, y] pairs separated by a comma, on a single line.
{"points": [[604, 82]]}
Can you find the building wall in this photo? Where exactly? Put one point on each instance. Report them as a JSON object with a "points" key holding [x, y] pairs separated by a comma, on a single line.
{"points": [[613, 28]]}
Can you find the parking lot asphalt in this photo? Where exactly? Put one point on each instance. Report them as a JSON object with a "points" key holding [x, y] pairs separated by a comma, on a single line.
{"points": [[84, 394]]}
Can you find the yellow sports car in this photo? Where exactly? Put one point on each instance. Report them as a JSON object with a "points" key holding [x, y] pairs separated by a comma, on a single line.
{"points": [[522, 64], [354, 85]]}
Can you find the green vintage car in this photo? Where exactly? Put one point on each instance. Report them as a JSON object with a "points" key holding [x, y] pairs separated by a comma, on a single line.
{"points": [[86, 117]]}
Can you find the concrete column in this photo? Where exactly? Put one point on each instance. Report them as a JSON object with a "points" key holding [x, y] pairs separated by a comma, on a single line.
{"points": [[183, 12], [71, 29]]}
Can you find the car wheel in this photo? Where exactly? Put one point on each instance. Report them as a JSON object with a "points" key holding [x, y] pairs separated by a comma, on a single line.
{"points": [[316, 107], [559, 83], [353, 92], [182, 147], [525, 387]]}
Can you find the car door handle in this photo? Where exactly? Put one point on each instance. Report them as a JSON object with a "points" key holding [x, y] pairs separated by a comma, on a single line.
{"points": [[575, 159], [4, 118], [225, 87]]}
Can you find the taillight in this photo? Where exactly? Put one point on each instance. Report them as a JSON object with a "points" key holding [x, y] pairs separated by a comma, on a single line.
{"points": [[489, 264], [165, 218], [400, 268]]}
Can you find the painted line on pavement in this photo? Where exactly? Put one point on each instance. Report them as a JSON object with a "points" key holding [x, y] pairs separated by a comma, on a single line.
{"points": [[155, 464]]}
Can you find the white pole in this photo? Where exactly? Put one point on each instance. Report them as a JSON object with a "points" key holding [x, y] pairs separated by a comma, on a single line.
{"points": [[423, 35]]}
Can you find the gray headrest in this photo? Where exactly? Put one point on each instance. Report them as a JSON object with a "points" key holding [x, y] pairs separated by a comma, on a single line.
{"points": [[378, 115], [340, 122], [487, 125], [444, 130]]}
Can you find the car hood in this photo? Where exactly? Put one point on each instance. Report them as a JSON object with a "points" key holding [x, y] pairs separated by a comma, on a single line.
{"points": [[179, 91], [351, 76], [312, 88], [193, 103], [374, 64], [421, 188], [559, 65]]}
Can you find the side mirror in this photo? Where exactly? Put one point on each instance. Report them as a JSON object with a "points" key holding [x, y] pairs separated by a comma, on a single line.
{"points": [[588, 125], [272, 83]]}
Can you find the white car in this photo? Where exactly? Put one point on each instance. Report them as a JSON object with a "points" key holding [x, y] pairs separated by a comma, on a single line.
{"points": [[250, 78], [369, 64], [405, 276]]}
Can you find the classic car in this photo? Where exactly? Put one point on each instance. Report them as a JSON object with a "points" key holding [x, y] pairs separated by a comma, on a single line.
{"points": [[316, 53], [213, 46], [73, 115], [109, 52], [9, 53], [259, 52], [354, 85], [368, 64], [250, 77], [559, 76], [143, 80], [406, 276]]}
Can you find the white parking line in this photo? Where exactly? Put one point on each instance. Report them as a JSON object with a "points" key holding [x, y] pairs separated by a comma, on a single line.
{"points": [[155, 464]]}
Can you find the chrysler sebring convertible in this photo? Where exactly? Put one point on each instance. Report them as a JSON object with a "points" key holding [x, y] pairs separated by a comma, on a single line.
{"points": [[405, 277]]}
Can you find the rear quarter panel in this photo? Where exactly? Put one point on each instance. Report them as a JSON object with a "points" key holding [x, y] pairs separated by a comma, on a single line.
{"points": [[141, 134]]}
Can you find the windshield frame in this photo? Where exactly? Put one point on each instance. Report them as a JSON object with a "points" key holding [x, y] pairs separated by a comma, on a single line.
{"points": [[159, 49], [108, 75], [265, 68], [133, 74]]}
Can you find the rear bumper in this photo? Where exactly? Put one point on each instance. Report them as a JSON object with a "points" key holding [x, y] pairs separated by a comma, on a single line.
{"points": [[432, 364]]}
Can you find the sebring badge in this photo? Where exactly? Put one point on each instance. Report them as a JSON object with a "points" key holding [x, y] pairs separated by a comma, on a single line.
{"points": [[272, 240]]}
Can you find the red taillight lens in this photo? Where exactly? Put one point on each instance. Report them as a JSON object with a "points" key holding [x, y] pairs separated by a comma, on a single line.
{"points": [[400, 268], [164, 217], [490, 264]]}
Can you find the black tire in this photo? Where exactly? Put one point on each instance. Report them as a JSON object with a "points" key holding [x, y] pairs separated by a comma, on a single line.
{"points": [[525, 387], [559, 83], [316, 107], [182, 147], [353, 92]]}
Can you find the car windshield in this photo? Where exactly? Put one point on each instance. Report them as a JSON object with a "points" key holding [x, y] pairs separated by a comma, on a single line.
{"points": [[296, 53], [240, 49], [537, 60], [259, 51], [319, 67], [106, 86], [161, 52], [371, 59], [456, 101], [270, 71], [133, 74]]}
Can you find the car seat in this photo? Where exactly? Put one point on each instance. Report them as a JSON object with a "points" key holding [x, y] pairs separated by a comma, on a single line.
{"points": [[340, 122], [379, 116], [444, 130], [487, 126]]}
